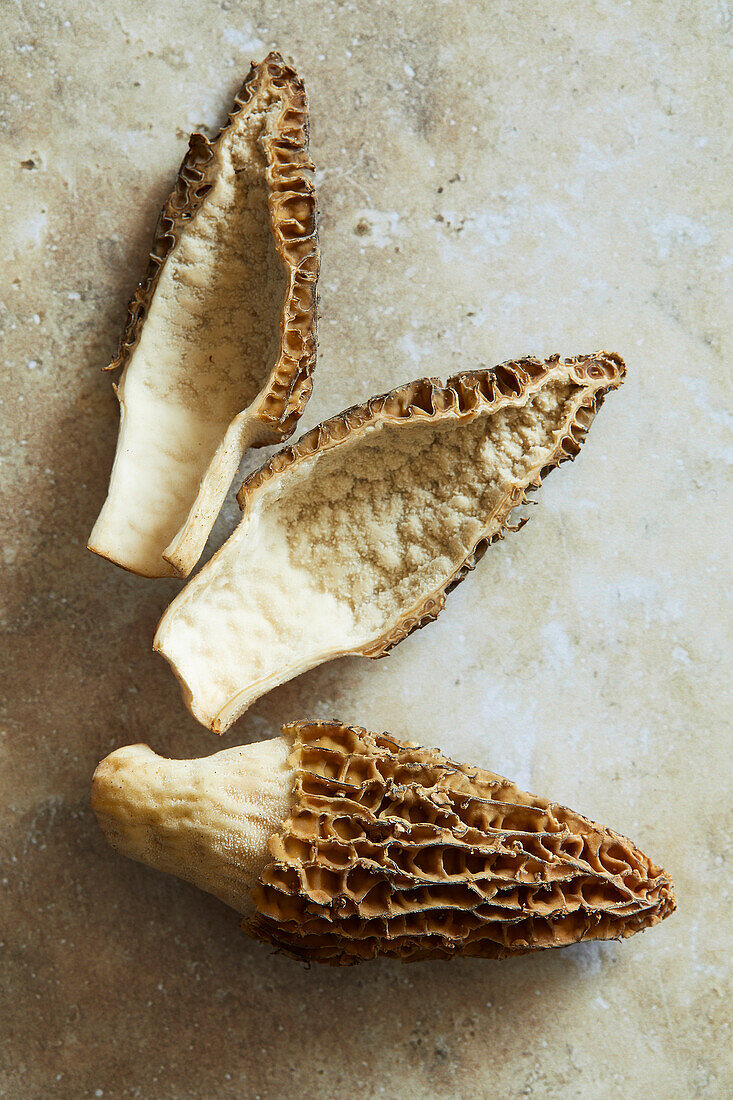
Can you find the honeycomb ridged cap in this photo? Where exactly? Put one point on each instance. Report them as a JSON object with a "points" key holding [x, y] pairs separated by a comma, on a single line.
{"points": [[391, 849]]}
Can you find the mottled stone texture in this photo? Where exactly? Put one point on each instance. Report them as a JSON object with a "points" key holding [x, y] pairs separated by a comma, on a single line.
{"points": [[495, 179]]}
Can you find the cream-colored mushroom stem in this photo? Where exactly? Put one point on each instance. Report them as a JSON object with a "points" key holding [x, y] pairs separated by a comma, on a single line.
{"points": [[351, 539], [207, 821]]}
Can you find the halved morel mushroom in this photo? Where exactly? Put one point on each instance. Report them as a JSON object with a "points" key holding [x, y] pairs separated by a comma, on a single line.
{"points": [[220, 341], [351, 538], [339, 845]]}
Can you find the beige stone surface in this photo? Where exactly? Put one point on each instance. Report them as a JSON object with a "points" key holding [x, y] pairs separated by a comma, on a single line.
{"points": [[495, 178]]}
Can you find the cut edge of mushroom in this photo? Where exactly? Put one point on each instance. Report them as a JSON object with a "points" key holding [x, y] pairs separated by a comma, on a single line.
{"points": [[463, 399], [273, 413]]}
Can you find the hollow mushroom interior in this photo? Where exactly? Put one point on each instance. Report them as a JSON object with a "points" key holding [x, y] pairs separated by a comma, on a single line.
{"points": [[334, 553], [206, 349]]}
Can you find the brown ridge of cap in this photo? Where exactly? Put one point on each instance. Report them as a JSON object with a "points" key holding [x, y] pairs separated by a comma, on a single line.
{"points": [[293, 219], [394, 850], [463, 397]]}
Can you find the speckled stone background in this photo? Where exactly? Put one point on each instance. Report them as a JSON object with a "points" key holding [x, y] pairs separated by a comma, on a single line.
{"points": [[495, 179]]}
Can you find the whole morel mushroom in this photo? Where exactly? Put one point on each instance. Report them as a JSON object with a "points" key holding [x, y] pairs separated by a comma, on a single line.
{"points": [[340, 845]]}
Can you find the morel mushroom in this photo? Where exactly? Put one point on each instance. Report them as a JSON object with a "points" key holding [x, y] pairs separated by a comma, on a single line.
{"points": [[352, 538], [220, 341], [339, 845]]}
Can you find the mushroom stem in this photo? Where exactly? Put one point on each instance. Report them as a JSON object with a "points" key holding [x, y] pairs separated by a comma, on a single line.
{"points": [[207, 821]]}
